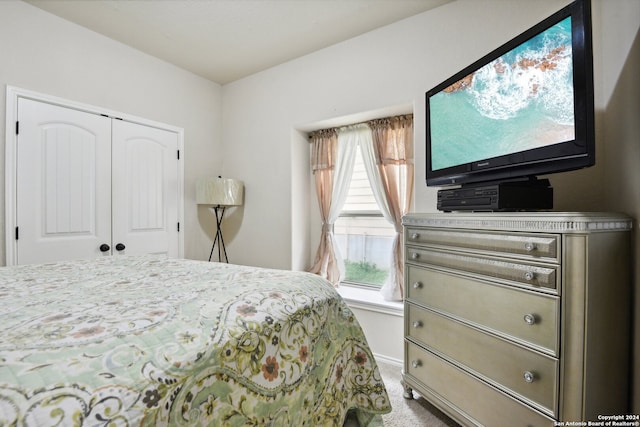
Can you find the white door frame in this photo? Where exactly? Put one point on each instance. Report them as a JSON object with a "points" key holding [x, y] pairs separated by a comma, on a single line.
{"points": [[12, 95]]}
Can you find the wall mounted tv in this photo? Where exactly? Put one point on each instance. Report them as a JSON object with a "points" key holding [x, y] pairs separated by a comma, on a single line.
{"points": [[523, 110]]}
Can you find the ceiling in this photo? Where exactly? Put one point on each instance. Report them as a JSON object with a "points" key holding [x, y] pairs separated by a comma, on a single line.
{"points": [[225, 40]]}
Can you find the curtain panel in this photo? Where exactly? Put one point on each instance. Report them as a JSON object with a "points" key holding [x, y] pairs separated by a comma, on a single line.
{"points": [[393, 152], [332, 165]]}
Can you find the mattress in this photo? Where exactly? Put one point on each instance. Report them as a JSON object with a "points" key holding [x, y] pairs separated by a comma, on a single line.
{"points": [[156, 341]]}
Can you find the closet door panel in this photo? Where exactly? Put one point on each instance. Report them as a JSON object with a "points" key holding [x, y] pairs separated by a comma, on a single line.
{"points": [[145, 189], [63, 183]]}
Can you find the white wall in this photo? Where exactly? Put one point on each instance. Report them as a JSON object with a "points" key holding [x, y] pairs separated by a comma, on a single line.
{"points": [[46, 54], [621, 130], [389, 67]]}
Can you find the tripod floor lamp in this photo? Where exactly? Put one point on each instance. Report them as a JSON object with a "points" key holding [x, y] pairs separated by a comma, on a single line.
{"points": [[219, 193]]}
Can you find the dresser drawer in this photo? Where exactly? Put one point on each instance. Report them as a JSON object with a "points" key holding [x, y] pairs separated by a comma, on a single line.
{"points": [[528, 317], [514, 244], [531, 375], [457, 390], [530, 275]]}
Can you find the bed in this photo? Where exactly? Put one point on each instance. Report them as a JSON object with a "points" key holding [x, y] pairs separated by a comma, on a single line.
{"points": [[153, 341]]}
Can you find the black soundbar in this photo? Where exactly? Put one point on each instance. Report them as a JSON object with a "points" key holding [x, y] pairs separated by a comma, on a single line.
{"points": [[499, 196]]}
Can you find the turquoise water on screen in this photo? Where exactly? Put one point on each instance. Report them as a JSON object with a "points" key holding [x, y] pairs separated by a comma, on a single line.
{"points": [[522, 100]]}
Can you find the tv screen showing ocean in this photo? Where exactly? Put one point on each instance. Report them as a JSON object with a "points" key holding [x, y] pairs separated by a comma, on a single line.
{"points": [[520, 101]]}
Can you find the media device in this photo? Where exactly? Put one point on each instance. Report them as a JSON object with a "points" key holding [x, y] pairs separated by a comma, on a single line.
{"points": [[523, 110]]}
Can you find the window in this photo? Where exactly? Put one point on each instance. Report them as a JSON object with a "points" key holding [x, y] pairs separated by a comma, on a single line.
{"points": [[364, 237]]}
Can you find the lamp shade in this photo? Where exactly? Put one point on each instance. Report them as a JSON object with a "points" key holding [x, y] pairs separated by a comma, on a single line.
{"points": [[219, 191]]}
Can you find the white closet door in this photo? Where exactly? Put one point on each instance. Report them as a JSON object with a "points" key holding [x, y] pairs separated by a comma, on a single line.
{"points": [[145, 190], [63, 183]]}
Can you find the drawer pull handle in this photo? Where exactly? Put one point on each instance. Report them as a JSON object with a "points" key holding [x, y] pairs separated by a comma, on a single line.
{"points": [[529, 319], [529, 377], [417, 285], [530, 247], [417, 324], [529, 275], [415, 236], [416, 363], [415, 255]]}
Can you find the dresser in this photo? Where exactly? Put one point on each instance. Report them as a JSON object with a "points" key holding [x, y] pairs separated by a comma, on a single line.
{"points": [[519, 319]]}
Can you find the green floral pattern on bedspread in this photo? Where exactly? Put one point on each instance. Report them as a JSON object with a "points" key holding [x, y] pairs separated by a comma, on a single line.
{"points": [[153, 341]]}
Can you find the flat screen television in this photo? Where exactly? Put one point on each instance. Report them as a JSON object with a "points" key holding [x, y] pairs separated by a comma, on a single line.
{"points": [[523, 110]]}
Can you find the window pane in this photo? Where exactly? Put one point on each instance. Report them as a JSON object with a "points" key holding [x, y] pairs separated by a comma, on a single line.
{"points": [[360, 196], [365, 244], [364, 237]]}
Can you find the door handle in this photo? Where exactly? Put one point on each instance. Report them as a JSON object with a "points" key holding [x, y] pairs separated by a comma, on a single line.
{"points": [[120, 247], [104, 247]]}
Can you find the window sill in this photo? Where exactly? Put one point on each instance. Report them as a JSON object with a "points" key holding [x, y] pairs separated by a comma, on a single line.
{"points": [[369, 299]]}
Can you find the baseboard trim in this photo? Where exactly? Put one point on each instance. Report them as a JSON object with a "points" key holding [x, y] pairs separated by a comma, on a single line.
{"points": [[389, 360]]}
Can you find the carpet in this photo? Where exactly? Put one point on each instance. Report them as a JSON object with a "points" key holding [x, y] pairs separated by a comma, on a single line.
{"points": [[405, 412]]}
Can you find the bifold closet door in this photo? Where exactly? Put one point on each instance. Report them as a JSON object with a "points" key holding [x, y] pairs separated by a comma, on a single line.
{"points": [[63, 183], [145, 190], [88, 185]]}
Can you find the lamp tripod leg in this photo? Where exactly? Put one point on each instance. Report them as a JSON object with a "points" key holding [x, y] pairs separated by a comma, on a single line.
{"points": [[224, 249], [219, 211]]}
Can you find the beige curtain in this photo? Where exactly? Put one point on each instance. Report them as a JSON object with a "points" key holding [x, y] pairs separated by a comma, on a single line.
{"points": [[323, 161], [393, 148]]}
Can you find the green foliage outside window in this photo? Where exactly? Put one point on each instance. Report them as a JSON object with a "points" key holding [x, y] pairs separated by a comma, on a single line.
{"points": [[364, 272]]}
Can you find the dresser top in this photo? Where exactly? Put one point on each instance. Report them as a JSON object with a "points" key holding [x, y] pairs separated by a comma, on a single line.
{"points": [[546, 222]]}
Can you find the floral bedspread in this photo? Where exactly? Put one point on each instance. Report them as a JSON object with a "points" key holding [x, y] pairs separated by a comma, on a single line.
{"points": [[153, 341]]}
